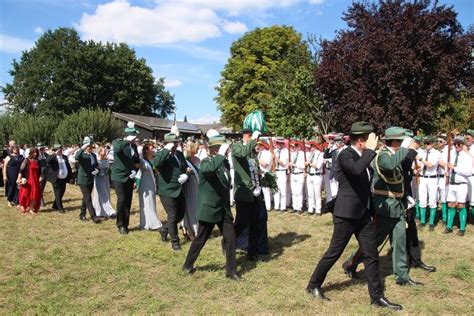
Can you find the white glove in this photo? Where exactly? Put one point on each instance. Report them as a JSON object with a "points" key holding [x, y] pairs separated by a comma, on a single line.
{"points": [[372, 142], [85, 146], [411, 202], [183, 178], [95, 172], [130, 138], [257, 191], [133, 174], [407, 142], [169, 146], [223, 149], [255, 135]]}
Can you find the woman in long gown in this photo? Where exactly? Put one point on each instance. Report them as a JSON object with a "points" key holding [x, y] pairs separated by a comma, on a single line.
{"points": [[11, 169], [29, 179], [190, 189], [101, 191], [147, 191]]}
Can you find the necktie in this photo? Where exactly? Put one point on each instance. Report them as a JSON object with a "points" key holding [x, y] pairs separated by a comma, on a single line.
{"points": [[426, 158], [453, 174], [310, 162]]}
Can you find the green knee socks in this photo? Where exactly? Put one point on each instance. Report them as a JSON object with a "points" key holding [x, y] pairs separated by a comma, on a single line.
{"points": [[451, 214], [432, 215], [444, 212], [462, 219], [423, 215]]}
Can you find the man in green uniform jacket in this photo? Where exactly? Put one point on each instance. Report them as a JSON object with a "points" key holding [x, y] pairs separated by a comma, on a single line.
{"points": [[214, 206], [389, 203], [172, 167]]}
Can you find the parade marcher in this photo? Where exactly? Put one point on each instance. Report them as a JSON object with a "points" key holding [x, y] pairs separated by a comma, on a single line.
{"points": [[146, 183], [442, 187], [43, 155], [59, 174], [314, 179], [332, 153], [173, 170], [281, 159], [124, 171], [297, 165], [416, 179], [469, 139], [352, 215], [389, 203], [87, 161], [265, 161], [247, 189], [101, 192], [214, 207], [29, 196], [428, 186], [459, 171], [11, 168]]}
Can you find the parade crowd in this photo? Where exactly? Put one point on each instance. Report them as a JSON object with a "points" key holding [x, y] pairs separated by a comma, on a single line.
{"points": [[398, 179]]}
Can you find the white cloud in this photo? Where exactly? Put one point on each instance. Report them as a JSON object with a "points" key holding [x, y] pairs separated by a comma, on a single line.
{"points": [[10, 44], [206, 119], [39, 30], [234, 27], [170, 83]]}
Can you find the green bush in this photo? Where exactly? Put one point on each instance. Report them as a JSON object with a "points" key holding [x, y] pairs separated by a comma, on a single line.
{"points": [[27, 128]]}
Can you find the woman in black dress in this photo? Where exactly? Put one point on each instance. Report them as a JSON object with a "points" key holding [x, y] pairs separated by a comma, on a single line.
{"points": [[11, 166]]}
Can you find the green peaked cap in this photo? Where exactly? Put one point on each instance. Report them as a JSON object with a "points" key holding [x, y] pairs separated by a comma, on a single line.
{"points": [[362, 127], [395, 132], [170, 138]]}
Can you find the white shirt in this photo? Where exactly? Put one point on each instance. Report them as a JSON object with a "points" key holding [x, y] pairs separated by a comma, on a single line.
{"points": [[265, 156], [282, 154], [316, 157], [297, 159], [463, 166], [62, 171], [433, 157]]}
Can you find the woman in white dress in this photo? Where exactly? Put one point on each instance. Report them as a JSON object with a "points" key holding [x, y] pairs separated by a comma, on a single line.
{"points": [[101, 191], [190, 189], [147, 191]]}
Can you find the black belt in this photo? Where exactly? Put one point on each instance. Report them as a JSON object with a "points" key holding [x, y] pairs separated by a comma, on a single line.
{"points": [[281, 169], [431, 177], [458, 183], [316, 174], [297, 172]]}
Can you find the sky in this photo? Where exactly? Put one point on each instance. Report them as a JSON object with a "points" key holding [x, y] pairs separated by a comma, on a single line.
{"points": [[185, 41]]}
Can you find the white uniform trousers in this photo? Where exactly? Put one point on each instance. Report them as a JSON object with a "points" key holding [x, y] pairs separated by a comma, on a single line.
{"points": [[428, 192], [457, 193], [313, 183], [280, 197], [297, 184], [442, 188], [267, 196], [470, 194]]}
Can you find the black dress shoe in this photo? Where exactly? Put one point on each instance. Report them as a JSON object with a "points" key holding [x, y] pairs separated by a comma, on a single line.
{"points": [[383, 302], [318, 293], [349, 272], [176, 246], [62, 211], [189, 270], [123, 230], [234, 277], [82, 217], [425, 267], [96, 220], [409, 282], [431, 228], [164, 235], [448, 230], [421, 225], [460, 233], [251, 257]]}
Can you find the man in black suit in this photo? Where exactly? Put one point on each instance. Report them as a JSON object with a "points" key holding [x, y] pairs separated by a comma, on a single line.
{"points": [[59, 173], [43, 155], [352, 215]]}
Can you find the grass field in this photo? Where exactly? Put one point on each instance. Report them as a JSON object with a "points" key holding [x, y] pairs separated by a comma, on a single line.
{"points": [[54, 264]]}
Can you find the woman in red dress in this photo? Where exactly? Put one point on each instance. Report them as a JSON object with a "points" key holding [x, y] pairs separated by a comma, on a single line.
{"points": [[29, 181]]}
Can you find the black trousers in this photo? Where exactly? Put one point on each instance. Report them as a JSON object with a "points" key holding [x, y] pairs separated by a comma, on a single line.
{"points": [[247, 214], [174, 208], [226, 226], [86, 190], [59, 187], [364, 231], [413, 243], [124, 191]]}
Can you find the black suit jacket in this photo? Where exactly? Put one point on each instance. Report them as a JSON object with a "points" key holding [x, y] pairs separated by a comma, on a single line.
{"points": [[52, 171], [353, 195]]}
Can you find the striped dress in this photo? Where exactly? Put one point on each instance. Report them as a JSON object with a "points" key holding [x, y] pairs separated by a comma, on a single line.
{"points": [[190, 190]]}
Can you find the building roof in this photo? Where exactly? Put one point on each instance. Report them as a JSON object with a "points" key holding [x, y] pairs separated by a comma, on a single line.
{"points": [[217, 126], [155, 123]]}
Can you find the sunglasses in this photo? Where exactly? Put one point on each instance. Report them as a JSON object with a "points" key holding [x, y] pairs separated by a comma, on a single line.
{"points": [[440, 141], [459, 145]]}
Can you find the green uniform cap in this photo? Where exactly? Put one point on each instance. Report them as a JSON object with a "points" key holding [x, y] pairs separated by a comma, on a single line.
{"points": [[57, 147], [87, 140], [470, 132], [418, 139], [170, 138], [359, 128], [458, 140], [216, 140], [429, 139], [130, 129], [395, 133], [409, 132]]}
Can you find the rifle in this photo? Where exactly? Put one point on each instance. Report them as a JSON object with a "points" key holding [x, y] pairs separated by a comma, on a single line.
{"points": [[289, 155], [417, 168], [446, 169], [304, 152], [274, 159]]}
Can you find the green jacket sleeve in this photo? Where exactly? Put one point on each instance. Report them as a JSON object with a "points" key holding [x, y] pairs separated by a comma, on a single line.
{"points": [[79, 154], [209, 167], [241, 151], [119, 145], [389, 163], [161, 157]]}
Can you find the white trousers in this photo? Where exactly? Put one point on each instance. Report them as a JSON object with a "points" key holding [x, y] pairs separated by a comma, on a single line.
{"points": [[297, 183], [428, 192], [313, 183], [457, 193], [442, 189], [470, 193], [280, 197], [267, 196]]}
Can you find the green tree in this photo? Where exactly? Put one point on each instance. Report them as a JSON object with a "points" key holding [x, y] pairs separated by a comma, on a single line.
{"points": [[455, 114], [63, 74], [100, 124], [257, 61], [32, 129]]}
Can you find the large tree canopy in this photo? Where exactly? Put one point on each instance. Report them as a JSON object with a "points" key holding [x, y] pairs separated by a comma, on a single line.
{"points": [[395, 65], [259, 64], [63, 74]]}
